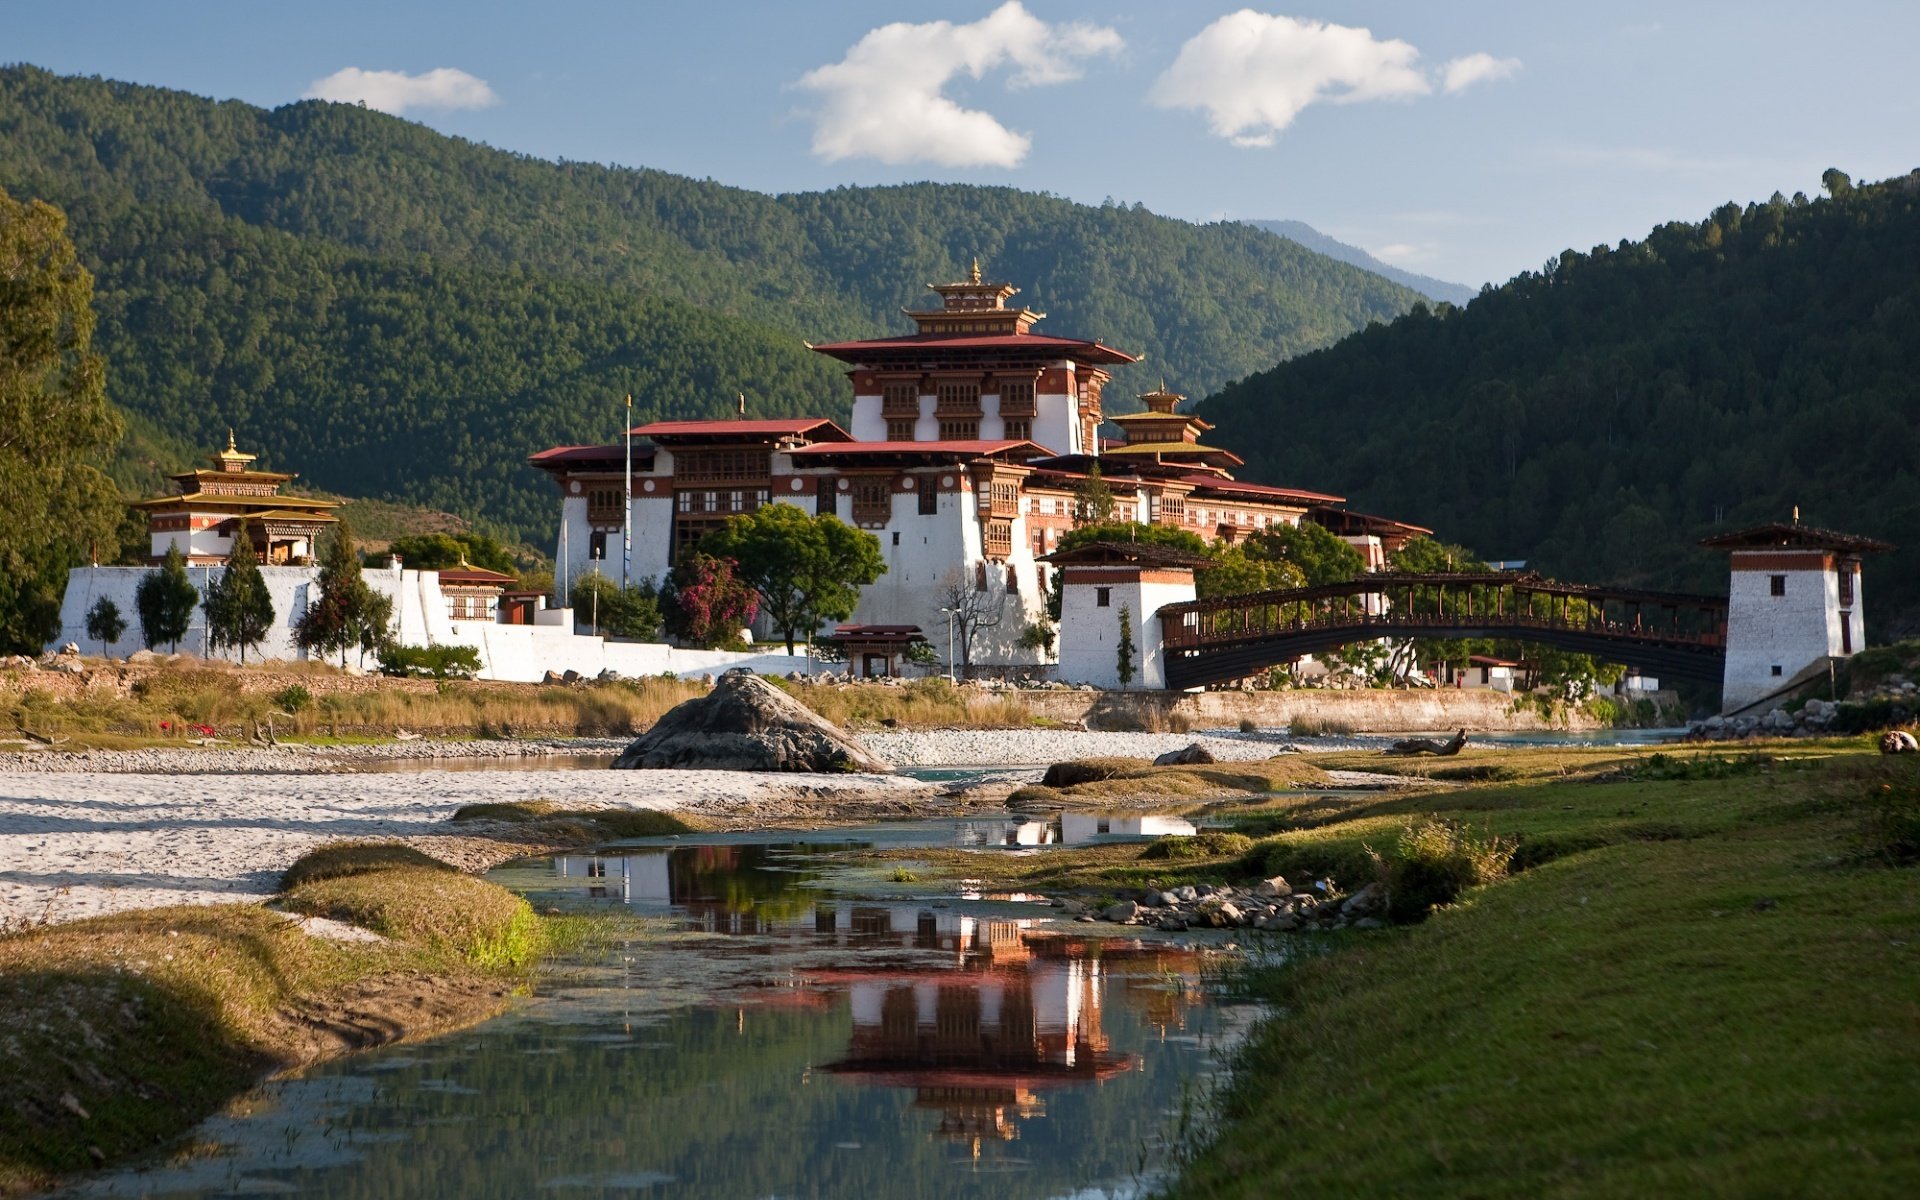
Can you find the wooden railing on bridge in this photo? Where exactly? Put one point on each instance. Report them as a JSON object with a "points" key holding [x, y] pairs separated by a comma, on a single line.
{"points": [[1229, 637]]}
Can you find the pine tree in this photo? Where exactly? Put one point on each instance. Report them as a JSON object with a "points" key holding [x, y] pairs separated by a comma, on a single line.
{"points": [[165, 600], [1093, 499], [239, 610], [1123, 665], [104, 622], [342, 610]]}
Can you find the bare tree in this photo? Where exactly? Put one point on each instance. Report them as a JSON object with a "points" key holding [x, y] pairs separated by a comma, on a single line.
{"points": [[974, 603]]}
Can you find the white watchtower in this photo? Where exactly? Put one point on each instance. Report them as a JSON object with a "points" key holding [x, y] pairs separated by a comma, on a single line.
{"points": [[1793, 603], [1101, 580]]}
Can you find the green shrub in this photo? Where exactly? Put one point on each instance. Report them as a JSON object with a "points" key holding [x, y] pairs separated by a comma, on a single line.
{"points": [[1211, 844], [343, 859], [437, 662], [1892, 826], [1247, 725], [1666, 767], [1435, 861], [294, 698]]}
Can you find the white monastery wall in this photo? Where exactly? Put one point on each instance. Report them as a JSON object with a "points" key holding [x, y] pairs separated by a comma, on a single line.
{"points": [[523, 653]]}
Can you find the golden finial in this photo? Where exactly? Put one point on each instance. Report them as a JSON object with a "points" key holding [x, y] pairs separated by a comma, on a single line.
{"points": [[1796, 514], [976, 270], [743, 404], [231, 448]]}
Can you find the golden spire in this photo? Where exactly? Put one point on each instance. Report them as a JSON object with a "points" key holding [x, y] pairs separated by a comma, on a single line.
{"points": [[231, 448], [976, 270]]}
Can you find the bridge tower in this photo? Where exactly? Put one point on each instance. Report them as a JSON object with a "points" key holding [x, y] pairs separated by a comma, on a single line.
{"points": [[1793, 603], [1100, 580]]}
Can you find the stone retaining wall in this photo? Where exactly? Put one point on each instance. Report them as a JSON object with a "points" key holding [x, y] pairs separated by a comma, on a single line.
{"points": [[1371, 711]]}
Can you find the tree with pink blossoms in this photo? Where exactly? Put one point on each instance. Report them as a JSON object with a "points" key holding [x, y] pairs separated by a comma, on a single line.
{"points": [[707, 604]]}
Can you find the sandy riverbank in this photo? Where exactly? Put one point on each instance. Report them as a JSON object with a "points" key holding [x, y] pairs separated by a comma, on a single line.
{"points": [[75, 844]]}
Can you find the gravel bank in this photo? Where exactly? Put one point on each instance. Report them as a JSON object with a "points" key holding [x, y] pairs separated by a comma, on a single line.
{"points": [[290, 759], [76, 844]]}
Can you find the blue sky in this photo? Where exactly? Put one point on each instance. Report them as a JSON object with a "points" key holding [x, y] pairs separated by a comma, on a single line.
{"points": [[1467, 140]]}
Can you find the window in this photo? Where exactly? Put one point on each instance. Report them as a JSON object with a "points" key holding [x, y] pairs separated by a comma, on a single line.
{"points": [[1779, 583], [720, 466], [1103, 597], [872, 501], [929, 498], [979, 577], [900, 430], [1016, 397], [1777, 670], [604, 507], [1019, 429], [900, 400], [1846, 583], [597, 545], [1013, 579], [960, 430], [896, 537], [824, 501], [1846, 633], [998, 539], [954, 396]]}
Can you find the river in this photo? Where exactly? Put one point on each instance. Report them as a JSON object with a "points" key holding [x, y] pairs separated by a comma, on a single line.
{"points": [[780, 1022]]}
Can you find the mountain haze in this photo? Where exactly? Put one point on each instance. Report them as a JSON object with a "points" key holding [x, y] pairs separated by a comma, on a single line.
{"points": [[1599, 418], [398, 313], [1320, 243]]}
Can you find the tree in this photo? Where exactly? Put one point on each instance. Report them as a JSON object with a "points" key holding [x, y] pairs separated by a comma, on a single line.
{"points": [[56, 426], [1123, 661], [1320, 555], [630, 612], [239, 610], [439, 551], [1237, 570], [706, 603], [343, 611], [166, 599], [1093, 499], [1128, 531], [104, 622], [807, 569], [972, 608]]}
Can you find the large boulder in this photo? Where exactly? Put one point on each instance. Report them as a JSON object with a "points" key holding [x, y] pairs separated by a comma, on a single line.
{"points": [[1193, 756], [747, 724]]}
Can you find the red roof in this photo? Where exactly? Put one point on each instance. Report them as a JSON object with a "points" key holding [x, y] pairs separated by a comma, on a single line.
{"points": [[775, 427], [1072, 347], [565, 455], [969, 449], [1216, 483]]}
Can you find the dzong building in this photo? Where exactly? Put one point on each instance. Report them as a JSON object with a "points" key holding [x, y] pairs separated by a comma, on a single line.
{"points": [[969, 441]]}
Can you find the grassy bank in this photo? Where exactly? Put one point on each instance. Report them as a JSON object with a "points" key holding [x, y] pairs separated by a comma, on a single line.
{"points": [[119, 707], [1692, 975], [125, 1030]]}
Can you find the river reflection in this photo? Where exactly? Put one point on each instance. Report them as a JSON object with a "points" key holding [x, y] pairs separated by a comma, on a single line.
{"points": [[798, 1036]]}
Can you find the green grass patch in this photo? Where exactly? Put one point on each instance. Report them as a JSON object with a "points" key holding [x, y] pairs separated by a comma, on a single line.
{"points": [[1704, 988], [606, 824], [125, 1030]]}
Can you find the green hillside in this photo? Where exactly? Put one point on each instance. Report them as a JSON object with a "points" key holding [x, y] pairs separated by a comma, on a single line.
{"points": [[398, 313], [1600, 417]]}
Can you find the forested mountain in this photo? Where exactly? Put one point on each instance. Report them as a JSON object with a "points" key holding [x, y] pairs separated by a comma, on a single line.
{"points": [[1313, 239], [1599, 417], [398, 313]]}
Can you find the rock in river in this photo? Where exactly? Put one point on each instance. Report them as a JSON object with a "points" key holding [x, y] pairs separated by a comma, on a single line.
{"points": [[747, 724]]}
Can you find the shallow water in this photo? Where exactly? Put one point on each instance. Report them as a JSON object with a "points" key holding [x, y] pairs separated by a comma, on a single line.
{"points": [[796, 1027]]}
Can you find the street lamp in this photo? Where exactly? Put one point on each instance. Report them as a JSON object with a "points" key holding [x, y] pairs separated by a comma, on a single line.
{"points": [[950, 614]]}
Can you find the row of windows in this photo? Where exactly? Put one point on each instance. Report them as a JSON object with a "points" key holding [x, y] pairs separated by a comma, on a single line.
{"points": [[735, 501], [901, 429], [722, 466], [980, 577]]}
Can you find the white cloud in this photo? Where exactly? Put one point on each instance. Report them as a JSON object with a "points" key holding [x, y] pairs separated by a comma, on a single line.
{"points": [[396, 91], [1253, 72], [1462, 73], [886, 99]]}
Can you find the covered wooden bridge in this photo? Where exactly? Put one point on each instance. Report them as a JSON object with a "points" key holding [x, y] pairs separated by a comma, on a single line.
{"points": [[1667, 634]]}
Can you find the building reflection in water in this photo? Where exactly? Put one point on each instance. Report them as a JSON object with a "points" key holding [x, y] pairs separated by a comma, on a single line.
{"points": [[1001, 1010], [1071, 829]]}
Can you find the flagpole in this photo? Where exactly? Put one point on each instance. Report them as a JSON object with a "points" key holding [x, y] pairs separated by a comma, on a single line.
{"points": [[626, 531]]}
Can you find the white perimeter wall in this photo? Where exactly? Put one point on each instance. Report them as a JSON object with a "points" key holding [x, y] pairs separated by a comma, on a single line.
{"points": [[523, 653]]}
